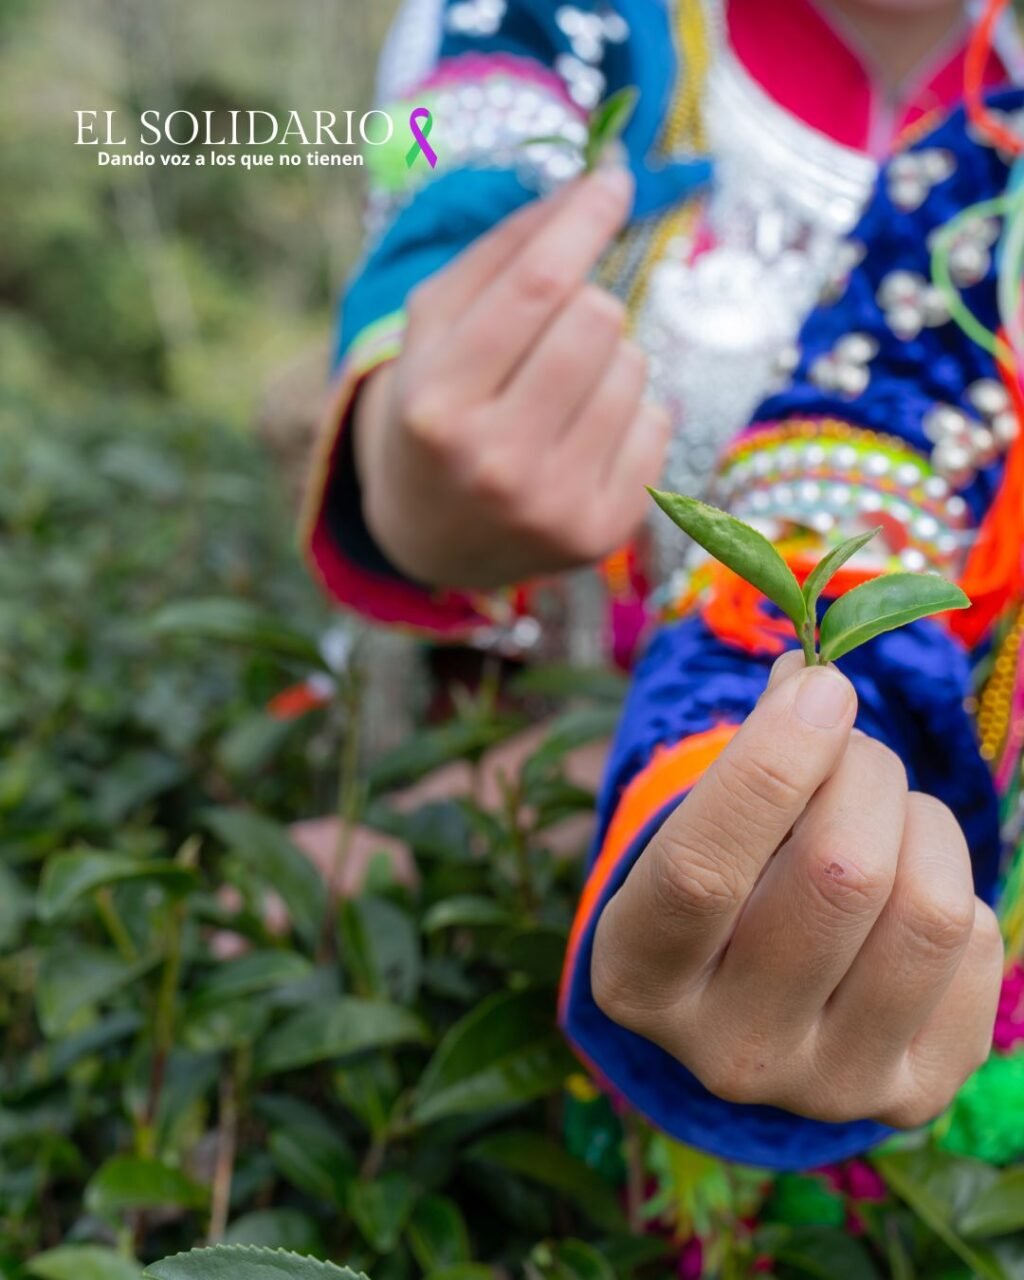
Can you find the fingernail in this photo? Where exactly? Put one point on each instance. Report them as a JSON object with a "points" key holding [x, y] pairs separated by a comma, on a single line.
{"points": [[785, 667], [824, 698]]}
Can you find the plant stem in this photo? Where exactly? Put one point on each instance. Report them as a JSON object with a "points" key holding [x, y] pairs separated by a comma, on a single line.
{"points": [[350, 795], [115, 926], [163, 1027], [808, 643], [227, 1146]]}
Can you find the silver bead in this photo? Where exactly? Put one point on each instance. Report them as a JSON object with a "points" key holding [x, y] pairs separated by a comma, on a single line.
{"points": [[814, 456], [943, 422], [824, 373], [810, 492], [956, 507], [877, 465], [988, 396], [926, 528], [938, 164], [969, 263], [1005, 428], [852, 379], [935, 308], [936, 488], [846, 457], [870, 502], [899, 286], [953, 459], [858, 348], [983, 447], [908, 474], [822, 522], [906, 321], [907, 194]]}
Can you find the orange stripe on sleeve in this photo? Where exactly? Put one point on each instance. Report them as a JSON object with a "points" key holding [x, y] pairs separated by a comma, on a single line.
{"points": [[671, 771]]}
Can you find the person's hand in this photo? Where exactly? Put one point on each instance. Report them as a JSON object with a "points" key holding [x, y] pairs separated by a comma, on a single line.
{"points": [[803, 930], [511, 437]]}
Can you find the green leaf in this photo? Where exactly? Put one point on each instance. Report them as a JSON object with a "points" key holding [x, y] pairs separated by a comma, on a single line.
{"points": [[83, 1262], [380, 1209], [463, 1271], [505, 1052], [127, 1184], [467, 911], [423, 752], [69, 877], [236, 622], [825, 570], [73, 979], [346, 1026], [826, 1254], [251, 975], [279, 864], [922, 1180], [530, 1155], [437, 1234], [225, 1024], [315, 1160], [740, 548], [998, 1210], [608, 123], [277, 1229], [573, 1260], [380, 948], [883, 604], [239, 1262]]}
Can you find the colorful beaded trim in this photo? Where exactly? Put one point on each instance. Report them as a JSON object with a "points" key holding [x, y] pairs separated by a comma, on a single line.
{"points": [[828, 476]]}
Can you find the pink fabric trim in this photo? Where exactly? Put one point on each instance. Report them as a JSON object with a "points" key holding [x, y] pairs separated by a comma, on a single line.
{"points": [[482, 66], [448, 615], [808, 67]]}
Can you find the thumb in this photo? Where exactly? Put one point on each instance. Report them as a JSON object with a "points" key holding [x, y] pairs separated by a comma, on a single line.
{"points": [[683, 897]]}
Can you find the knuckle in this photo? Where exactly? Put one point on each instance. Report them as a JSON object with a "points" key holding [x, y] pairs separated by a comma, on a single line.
{"points": [[845, 886], [918, 1107], [742, 1075], [937, 923], [426, 421], [689, 883], [759, 783], [988, 934], [931, 809], [543, 283], [881, 757], [495, 479]]}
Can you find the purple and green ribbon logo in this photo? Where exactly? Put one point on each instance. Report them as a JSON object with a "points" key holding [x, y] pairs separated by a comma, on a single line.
{"points": [[421, 146]]}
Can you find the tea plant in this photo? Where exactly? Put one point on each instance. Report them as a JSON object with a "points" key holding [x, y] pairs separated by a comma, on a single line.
{"points": [[879, 605]]}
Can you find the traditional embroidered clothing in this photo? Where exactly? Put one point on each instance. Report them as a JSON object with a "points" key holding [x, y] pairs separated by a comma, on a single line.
{"points": [[893, 417], [717, 285]]}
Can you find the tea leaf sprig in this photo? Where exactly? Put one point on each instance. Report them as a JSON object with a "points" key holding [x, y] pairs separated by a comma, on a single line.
{"points": [[607, 124], [879, 605]]}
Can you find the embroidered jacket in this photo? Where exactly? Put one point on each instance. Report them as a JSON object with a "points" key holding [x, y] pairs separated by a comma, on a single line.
{"points": [[893, 417]]}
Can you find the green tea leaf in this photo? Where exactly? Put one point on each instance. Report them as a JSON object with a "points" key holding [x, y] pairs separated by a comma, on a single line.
{"points": [[825, 570], [346, 1026], [884, 604], [69, 877], [236, 622], [919, 1178], [381, 1209], [127, 1184], [437, 1234], [240, 1262], [83, 1262], [530, 1155], [506, 1051], [76, 978], [467, 911], [251, 975], [999, 1210], [740, 548], [608, 123], [278, 863], [277, 1229], [316, 1161]]}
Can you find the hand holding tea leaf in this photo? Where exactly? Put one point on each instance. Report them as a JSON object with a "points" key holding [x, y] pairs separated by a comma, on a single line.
{"points": [[606, 126], [881, 605], [802, 930]]}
